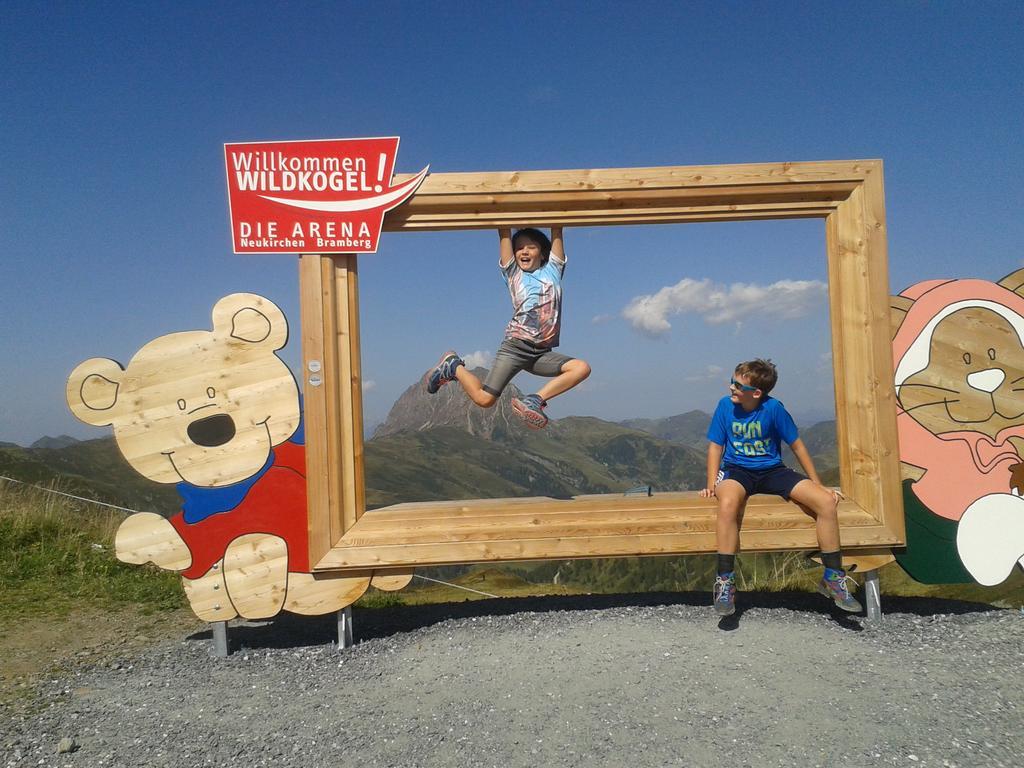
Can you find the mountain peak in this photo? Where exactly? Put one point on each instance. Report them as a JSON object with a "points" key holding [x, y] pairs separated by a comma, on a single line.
{"points": [[687, 428], [63, 441], [416, 411]]}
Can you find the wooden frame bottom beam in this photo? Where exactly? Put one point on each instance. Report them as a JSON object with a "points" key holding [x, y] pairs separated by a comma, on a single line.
{"points": [[496, 530]]}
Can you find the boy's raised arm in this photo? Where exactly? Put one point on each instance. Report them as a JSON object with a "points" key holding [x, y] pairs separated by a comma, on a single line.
{"points": [[557, 246], [505, 254]]}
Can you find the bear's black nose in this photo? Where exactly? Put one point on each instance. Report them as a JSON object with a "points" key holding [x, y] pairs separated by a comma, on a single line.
{"points": [[212, 431]]}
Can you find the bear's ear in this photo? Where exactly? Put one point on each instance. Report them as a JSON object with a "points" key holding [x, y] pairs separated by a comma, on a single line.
{"points": [[92, 391], [250, 318], [898, 308], [1014, 282]]}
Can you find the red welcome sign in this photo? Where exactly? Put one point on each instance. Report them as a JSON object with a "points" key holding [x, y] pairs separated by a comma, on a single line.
{"points": [[326, 196]]}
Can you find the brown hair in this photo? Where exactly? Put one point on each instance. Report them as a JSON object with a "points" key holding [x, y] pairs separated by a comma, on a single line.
{"points": [[538, 237], [760, 373]]}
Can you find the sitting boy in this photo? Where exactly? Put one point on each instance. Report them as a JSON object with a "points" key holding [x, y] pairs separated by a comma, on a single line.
{"points": [[745, 457], [532, 266]]}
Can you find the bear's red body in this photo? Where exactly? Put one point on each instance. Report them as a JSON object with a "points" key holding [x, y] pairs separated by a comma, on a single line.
{"points": [[275, 505]]}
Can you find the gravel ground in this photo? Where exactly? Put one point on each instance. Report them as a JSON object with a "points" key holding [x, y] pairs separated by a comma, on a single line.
{"points": [[639, 680]]}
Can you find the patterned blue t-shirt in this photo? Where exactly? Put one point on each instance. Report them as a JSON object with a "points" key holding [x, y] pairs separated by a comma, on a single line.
{"points": [[536, 302], [752, 439]]}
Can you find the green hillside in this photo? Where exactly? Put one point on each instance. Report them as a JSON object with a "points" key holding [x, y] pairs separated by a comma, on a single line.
{"points": [[93, 469], [689, 428], [572, 456]]}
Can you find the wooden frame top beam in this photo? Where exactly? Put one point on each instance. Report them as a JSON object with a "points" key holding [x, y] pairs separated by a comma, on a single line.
{"points": [[449, 201]]}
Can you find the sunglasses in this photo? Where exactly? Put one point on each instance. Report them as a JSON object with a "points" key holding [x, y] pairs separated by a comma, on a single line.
{"points": [[744, 387]]}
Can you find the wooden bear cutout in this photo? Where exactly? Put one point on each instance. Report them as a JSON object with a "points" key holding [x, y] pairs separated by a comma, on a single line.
{"points": [[218, 413]]}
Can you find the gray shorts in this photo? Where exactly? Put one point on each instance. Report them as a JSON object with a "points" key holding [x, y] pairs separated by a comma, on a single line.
{"points": [[515, 355]]}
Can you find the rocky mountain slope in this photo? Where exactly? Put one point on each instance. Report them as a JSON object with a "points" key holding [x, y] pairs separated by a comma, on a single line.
{"points": [[416, 411]]}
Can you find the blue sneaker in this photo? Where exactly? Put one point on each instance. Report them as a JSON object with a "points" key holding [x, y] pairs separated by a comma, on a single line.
{"points": [[724, 594], [531, 410], [836, 585], [443, 372]]}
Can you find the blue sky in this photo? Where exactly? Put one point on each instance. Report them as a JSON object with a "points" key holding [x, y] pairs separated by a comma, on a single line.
{"points": [[113, 208]]}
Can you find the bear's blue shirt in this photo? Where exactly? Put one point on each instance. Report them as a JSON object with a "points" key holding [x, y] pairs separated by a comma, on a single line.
{"points": [[199, 503]]}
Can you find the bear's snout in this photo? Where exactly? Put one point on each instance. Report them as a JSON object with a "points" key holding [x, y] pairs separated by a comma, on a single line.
{"points": [[212, 431]]}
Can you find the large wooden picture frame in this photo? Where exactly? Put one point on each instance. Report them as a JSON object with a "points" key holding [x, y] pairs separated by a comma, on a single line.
{"points": [[848, 195]]}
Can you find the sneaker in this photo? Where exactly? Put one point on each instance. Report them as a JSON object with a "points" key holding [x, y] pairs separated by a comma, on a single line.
{"points": [[724, 594], [443, 372], [838, 586], [530, 410]]}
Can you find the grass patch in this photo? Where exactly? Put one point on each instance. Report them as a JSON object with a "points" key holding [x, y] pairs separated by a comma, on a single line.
{"points": [[378, 598], [56, 554], [774, 572]]}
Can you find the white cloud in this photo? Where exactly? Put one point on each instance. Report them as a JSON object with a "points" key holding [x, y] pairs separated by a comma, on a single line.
{"points": [[711, 373], [719, 304], [368, 385], [479, 359], [598, 319]]}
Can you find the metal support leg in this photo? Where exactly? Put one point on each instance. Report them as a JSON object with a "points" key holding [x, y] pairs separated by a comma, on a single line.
{"points": [[345, 628], [873, 595], [220, 639]]}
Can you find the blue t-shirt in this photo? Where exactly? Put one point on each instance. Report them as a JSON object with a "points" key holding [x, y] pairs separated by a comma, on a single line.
{"points": [[752, 439]]}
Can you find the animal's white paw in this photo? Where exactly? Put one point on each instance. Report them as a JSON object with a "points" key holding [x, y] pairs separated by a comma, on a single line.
{"points": [[990, 537]]}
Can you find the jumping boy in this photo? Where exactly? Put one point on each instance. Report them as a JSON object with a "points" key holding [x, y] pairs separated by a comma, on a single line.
{"points": [[532, 266], [748, 427]]}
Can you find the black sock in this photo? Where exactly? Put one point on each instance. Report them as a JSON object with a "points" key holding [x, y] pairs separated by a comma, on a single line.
{"points": [[833, 560], [726, 563]]}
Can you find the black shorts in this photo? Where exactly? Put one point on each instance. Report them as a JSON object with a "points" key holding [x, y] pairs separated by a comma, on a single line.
{"points": [[779, 480]]}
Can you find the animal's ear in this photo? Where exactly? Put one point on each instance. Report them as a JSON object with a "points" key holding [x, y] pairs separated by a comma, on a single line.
{"points": [[252, 319], [1014, 282], [898, 308], [92, 391]]}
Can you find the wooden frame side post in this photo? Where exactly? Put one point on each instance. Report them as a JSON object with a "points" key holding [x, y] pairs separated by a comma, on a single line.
{"points": [[350, 390], [332, 386], [862, 357], [318, 395]]}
